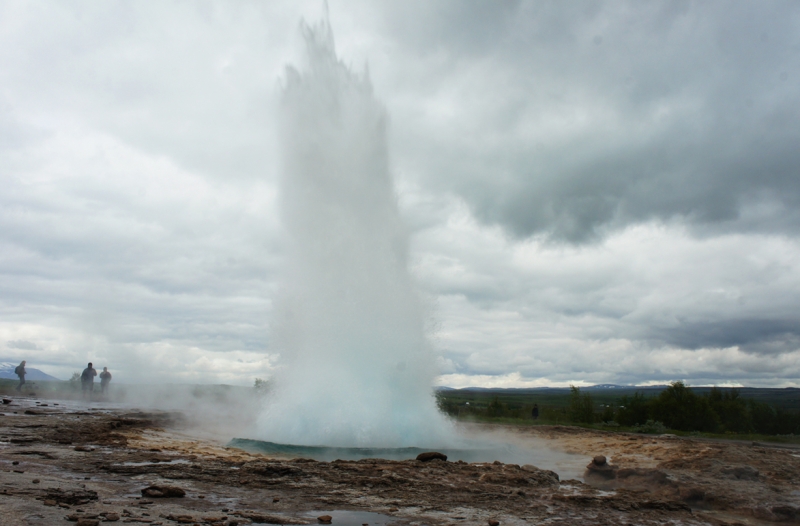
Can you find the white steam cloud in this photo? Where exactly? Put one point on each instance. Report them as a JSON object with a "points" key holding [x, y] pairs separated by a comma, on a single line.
{"points": [[357, 366]]}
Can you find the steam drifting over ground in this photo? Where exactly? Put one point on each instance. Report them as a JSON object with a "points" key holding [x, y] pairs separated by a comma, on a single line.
{"points": [[357, 366]]}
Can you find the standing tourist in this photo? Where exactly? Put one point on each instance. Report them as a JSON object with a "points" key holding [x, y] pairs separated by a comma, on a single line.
{"points": [[87, 380], [20, 372], [105, 377]]}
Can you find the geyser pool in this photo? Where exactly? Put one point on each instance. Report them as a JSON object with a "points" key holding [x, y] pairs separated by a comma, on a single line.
{"points": [[567, 465], [356, 365]]}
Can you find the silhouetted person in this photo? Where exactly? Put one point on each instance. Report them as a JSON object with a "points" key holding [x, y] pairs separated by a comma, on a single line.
{"points": [[535, 411], [105, 377], [87, 380], [20, 372]]}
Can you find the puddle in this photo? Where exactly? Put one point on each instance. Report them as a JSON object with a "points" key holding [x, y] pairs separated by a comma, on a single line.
{"points": [[355, 518]]}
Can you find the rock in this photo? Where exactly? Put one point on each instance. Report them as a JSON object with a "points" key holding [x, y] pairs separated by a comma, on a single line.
{"points": [[49, 502], [88, 522], [111, 517], [182, 519], [271, 469], [431, 455], [743, 472], [325, 519], [6, 401], [85, 449], [599, 470], [70, 496], [162, 492], [35, 481], [493, 522], [786, 513], [691, 494]]}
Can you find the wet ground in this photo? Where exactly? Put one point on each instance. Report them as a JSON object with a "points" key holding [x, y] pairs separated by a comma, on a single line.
{"points": [[68, 462]]}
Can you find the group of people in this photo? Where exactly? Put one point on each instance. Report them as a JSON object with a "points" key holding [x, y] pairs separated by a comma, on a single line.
{"points": [[87, 378]]}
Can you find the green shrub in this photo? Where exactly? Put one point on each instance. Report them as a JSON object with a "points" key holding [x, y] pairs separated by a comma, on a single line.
{"points": [[633, 410], [678, 407], [581, 406]]}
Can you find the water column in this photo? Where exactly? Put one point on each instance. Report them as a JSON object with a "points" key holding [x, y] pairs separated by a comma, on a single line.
{"points": [[356, 365]]}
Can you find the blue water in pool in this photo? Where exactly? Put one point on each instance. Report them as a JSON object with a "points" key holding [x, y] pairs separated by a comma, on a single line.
{"points": [[325, 453]]}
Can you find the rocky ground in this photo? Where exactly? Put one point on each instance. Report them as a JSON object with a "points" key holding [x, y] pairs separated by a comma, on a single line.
{"points": [[60, 463]]}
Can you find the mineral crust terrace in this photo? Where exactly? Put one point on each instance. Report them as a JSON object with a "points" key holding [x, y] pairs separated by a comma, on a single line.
{"points": [[93, 466]]}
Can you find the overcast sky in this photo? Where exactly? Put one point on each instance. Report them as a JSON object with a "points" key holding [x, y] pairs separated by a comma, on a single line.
{"points": [[596, 192]]}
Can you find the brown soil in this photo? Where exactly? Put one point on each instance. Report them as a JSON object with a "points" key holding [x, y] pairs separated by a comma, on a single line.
{"points": [[92, 466]]}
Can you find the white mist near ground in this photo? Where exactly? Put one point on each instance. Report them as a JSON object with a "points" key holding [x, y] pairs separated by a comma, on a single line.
{"points": [[357, 367]]}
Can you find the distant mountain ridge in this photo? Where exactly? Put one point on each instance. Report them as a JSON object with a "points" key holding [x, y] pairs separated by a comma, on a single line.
{"points": [[31, 373]]}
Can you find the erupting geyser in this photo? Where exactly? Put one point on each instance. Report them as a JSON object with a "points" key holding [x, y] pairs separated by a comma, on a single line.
{"points": [[357, 366]]}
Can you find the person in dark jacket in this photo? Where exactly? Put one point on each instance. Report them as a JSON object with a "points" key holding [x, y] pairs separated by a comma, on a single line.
{"points": [[20, 372], [535, 411], [105, 377], [87, 380]]}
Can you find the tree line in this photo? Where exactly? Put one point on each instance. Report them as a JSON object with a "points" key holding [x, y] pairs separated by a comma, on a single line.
{"points": [[676, 407]]}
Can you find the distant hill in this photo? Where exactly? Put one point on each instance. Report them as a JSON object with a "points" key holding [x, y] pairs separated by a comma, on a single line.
{"points": [[31, 374]]}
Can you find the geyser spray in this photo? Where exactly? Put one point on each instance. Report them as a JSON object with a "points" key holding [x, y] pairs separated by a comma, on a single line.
{"points": [[357, 369]]}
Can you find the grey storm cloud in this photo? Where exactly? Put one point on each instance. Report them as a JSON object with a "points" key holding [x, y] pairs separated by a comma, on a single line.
{"points": [[579, 118]]}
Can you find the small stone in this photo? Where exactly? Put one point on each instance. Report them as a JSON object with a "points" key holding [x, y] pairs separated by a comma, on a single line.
{"points": [[276, 499], [15, 463], [325, 519], [157, 492], [493, 522], [111, 517], [49, 502], [35, 481], [599, 460], [88, 522], [431, 455]]}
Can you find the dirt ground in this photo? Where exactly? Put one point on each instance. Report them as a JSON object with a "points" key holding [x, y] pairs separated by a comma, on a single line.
{"points": [[60, 463]]}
